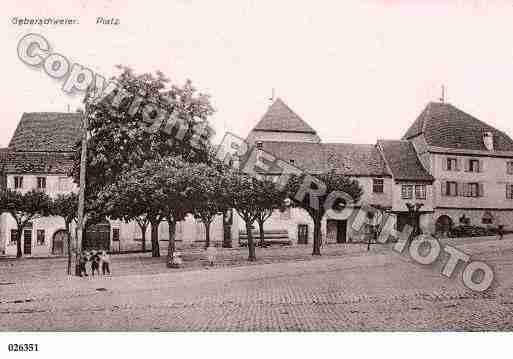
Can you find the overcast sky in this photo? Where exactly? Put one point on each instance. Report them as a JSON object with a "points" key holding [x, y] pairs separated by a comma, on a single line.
{"points": [[355, 71]]}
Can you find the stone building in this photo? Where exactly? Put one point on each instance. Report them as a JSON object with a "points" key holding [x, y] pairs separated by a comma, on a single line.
{"points": [[459, 168], [472, 164]]}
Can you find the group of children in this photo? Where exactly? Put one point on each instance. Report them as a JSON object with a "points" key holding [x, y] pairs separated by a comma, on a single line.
{"points": [[97, 259]]}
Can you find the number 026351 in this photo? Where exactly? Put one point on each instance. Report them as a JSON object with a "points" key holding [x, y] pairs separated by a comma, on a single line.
{"points": [[23, 347]]}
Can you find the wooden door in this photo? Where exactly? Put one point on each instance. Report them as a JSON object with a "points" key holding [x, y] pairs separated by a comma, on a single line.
{"points": [[58, 241], [27, 241], [341, 231]]}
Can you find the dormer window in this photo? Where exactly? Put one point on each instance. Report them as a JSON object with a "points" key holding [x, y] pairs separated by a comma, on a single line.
{"points": [[291, 161], [488, 141], [259, 145]]}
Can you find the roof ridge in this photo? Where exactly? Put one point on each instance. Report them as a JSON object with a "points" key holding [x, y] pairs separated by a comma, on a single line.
{"points": [[280, 117], [349, 143]]}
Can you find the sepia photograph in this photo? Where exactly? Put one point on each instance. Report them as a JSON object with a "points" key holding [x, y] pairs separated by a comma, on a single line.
{"points": [[186, 167]]}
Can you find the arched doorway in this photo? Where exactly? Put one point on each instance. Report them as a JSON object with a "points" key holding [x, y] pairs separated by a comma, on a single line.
{"points": [[60, 242], [443, 226]]}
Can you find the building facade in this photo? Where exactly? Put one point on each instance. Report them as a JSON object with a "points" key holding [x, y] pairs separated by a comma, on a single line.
{"points": [[458, 168], [40, 156]]}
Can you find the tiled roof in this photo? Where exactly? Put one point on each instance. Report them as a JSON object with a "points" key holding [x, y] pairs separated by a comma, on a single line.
{"points": [[307, 156], [443, 125], [47, 131], [403, 161], [35, 162], [354, 159], [279, 117], [344, 158]]}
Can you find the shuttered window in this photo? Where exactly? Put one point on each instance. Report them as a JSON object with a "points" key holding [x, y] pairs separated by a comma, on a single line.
{"points": [[473, 165], [451, 164], [509, 167], [12, 238], [40, 236], [473, 189], [449, 188], [509, 191]]}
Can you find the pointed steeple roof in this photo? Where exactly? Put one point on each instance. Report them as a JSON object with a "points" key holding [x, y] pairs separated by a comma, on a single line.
{"points": [[279, 117]]}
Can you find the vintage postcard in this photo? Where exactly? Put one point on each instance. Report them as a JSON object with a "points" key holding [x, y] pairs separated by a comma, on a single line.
{"points": [[254, 166]]}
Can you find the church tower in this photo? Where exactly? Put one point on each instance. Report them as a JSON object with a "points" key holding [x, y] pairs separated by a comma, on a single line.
{"points": [[281, 124]]}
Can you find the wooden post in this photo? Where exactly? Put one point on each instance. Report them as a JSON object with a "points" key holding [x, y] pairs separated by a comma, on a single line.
{"points": [[81, 194]]}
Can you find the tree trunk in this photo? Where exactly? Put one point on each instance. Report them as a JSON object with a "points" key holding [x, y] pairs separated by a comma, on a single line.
{"points": [[143, 236], [19, 235], [155, 248], [317, 237], [77, 251], [171, 247], [251, 244], [68, 240], [207, 234], [261, 230], [227, 233]]}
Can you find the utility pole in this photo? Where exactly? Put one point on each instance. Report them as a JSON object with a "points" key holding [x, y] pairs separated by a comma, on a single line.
{"points": [[81, 193]]}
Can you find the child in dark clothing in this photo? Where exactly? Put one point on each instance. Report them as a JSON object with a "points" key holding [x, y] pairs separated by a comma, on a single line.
{"points": [[95, 264], [82, 264]]}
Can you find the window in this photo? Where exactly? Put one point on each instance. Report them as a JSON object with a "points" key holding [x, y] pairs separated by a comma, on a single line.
{"points": [[259, 145], [407, 191], [40, 237], [473, 189], [509, 167], [452, 164], [18, 182], [509, 191], [41, 183], [451, 189], [377, 185], [115, 234], [420, 191], [63, 184], [12, 239], [473, 165], [291, 162]]}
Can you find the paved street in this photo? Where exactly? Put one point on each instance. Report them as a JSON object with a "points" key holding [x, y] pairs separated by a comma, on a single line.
{"points": [[347, 289]]}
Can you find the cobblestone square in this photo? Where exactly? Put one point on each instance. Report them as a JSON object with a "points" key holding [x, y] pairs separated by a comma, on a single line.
{"points": [[347, 289]]}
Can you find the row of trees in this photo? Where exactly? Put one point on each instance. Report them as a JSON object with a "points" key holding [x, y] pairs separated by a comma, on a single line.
{"points": [[149, 159]]}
